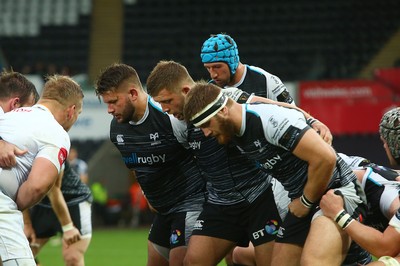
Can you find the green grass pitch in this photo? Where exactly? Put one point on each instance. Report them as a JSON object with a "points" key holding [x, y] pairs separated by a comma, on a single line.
{"points": [[116, 247]]}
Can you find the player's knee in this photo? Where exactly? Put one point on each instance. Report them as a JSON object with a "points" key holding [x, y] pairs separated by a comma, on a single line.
{"points": [[190, 259], [73, 258]]}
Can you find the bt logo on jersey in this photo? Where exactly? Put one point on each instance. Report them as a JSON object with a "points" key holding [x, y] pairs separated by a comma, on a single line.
{"points": [[271, 228]]}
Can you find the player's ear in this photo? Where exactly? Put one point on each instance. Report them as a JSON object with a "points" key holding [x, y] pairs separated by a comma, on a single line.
{"points": [[224, 111], [185, 90], [15, 103], [133, 92], [71, 111]]}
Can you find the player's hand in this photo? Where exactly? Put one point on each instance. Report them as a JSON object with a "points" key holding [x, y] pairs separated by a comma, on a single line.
{"points": [[71, 236], [323, 131], [30, 234], [298, 209], [8, 152], [331, 203]]}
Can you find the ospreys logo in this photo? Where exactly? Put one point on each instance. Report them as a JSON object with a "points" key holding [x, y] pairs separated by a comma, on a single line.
{"points": [[154, 136], [257, 143]]}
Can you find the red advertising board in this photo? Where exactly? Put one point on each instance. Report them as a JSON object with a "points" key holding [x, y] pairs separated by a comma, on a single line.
{"points": [[390, 77], [346, 106]]}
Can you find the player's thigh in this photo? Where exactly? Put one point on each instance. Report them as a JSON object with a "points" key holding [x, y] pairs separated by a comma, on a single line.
{"points": [[326, 243], [157, 255], [205, 250], [244, 255], [263, 253], [177, 255]]}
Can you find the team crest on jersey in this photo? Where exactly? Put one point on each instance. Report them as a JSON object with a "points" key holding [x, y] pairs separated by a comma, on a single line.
{"points": [[154, 136], [257, 143], [120, 139], [62, 156]]}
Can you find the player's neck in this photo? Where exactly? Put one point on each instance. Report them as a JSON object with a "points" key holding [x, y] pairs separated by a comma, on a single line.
{"points": [[238, 75]]}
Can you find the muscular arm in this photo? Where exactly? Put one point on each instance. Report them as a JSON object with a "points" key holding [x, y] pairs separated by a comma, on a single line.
{"points": [[40, 180], [60, 208], [377, 243], [318, 126], [321, 159]]}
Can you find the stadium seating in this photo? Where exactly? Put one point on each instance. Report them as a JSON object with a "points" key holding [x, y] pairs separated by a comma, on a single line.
{"points": [[50, 31], [296, 40]]}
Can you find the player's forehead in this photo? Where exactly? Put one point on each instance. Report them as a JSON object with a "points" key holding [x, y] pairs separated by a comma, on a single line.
{"points": [[215, 64], [165, 95]]}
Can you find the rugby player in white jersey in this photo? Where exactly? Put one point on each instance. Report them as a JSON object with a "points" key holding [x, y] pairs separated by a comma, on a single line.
{"points": [[41, 130], [386, 245]]}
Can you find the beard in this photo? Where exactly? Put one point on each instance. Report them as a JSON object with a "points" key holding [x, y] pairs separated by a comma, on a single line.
{"points": [[226, 129], [128, 112]]}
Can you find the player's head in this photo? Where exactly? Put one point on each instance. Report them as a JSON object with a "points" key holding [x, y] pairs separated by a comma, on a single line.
{"points": [[167, 75], [120, 87], [66, 96], [16, 91], [206, 107], [115, 76], [389, 130], [168, 84], [221, 48]]}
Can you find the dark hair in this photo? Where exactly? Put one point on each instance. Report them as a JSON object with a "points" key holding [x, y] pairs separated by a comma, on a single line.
{"points": [[14, 84], [113, 76]]}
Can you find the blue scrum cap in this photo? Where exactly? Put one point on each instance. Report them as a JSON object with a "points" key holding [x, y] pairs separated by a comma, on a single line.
{"points": [[220, 48]]}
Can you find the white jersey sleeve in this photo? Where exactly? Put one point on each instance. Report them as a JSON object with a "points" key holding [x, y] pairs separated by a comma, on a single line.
{"points": [[238, 95], [180, 130], [282, 126], [275, 86]]}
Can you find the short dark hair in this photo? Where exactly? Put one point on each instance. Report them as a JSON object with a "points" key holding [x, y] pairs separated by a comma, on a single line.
{"points": [[113, 76], [14, 84]]}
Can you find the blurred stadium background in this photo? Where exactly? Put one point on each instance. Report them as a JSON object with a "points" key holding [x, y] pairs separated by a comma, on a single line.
{"points": [[340, 59]]}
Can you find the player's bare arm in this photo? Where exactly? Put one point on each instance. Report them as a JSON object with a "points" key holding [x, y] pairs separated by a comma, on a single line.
{"points": [[40, 180], [321, 159], [70, 233]]}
